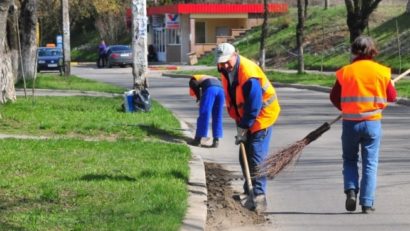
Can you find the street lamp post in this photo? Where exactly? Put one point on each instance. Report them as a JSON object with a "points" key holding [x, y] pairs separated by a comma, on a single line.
{"points": [[139, 43]]}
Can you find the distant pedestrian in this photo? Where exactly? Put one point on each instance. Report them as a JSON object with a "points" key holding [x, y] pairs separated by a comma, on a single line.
{"points": [[209, 93], [361, 91], [252, 102], [102, 52]]}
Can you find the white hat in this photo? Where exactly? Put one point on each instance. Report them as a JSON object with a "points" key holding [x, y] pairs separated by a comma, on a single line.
{"points": [[224, 52]]}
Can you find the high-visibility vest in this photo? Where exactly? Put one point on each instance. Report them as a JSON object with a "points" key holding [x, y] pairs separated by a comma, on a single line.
{"points": [[270, 105], [200, 79], [364, 85]]}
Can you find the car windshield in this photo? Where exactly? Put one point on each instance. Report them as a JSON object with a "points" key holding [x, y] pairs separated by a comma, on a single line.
{"points": [[120, 48], [49, 52]]}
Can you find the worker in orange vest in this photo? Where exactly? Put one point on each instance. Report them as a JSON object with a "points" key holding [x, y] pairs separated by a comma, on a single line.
{"points": [[361, 92], [252, 102], [208, 92]]}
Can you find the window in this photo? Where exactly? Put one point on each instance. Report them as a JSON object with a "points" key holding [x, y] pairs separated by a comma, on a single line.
{"points": [[173, 36]]}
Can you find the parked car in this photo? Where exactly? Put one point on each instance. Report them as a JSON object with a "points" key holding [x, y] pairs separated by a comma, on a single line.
{"points": [[50, 58], [119, 55]]}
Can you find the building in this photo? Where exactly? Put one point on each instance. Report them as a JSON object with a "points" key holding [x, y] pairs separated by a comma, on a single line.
{"points": [[179, 31]]}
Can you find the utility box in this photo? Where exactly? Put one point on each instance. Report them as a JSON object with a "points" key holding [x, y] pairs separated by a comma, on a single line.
{"points": [[192, 58]]}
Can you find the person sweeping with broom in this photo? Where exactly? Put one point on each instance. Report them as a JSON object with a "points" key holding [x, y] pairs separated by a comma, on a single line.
{"points": [[251, 101], [361, 92]]}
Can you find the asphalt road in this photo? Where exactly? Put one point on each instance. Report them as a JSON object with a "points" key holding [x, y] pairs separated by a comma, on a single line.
{"points": [[309, 195]]}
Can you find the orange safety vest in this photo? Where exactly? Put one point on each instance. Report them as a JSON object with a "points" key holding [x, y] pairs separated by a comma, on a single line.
{"points": [[364, 85], [200, 79], [270, 105]]}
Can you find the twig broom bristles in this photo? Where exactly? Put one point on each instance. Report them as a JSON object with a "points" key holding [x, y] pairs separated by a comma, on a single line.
{"points": [[276, 162]]}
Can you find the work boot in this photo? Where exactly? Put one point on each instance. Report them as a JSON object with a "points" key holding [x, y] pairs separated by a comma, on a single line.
{"points": [[351, 200], [215, 143], [368, 209], [196, 142], [260, 203]]}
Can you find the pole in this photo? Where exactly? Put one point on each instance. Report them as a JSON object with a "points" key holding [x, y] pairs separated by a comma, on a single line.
{"points": [[139, 43], [66, 37]]}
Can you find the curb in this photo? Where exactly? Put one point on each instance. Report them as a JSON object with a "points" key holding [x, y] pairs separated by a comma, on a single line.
{"points": [[195, 216]]}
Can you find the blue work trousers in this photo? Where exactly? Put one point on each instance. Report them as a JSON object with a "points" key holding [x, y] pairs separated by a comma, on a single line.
{"points": [[212, 102], [367, 136], [257, 148]]}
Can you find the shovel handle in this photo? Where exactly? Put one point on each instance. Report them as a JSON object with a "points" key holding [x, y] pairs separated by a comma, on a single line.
{"points": [[246, 170]]}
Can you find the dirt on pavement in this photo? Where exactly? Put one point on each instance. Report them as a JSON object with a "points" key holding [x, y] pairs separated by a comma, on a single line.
{"points": [[224, 212]]}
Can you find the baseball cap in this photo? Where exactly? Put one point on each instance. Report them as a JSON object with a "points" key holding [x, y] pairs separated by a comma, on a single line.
{"points": [[224, 52]]}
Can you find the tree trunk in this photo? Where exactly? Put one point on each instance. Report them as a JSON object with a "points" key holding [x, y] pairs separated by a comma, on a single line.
{"points": [[299, 36], [264, 34], [326, 4], [408, 7], [358, 13], [139, 43], [305, 9], [66, 37], [28, 20], [8, 54]]}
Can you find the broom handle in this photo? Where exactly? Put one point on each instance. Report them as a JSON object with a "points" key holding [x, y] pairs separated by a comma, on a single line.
{"points": [[336, 119], [247, 173], [401, 76], [393, 80]]}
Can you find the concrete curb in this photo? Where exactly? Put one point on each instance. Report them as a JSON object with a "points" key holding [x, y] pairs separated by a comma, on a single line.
{"points": [[195, 217]]}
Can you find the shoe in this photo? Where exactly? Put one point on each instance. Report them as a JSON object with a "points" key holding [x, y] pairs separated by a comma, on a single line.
{"points": [[368, 209], [196, 142], [260, 203], [215, 143], [350, 200]]}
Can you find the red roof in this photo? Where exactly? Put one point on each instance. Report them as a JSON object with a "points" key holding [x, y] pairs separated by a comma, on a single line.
{"points": [[216, 8]]}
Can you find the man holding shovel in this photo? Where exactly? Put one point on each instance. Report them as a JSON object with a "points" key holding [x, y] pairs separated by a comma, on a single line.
{"points": [[361, 92], [251, 101]]}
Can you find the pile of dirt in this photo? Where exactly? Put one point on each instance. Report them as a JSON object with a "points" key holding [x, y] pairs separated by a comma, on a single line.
{"points": [[224, 212]]}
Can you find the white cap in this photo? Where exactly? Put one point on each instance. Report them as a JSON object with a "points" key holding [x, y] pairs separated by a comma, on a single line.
{"points": [[224, 52]]}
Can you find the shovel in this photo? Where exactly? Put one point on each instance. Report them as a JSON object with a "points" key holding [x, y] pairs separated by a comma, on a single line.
{"points": [[251, 196]]}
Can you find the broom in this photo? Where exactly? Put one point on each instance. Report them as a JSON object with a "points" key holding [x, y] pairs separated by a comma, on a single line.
{"points": [[276, 162]]}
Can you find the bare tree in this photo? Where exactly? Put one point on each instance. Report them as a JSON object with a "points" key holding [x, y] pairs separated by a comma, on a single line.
{"points": [[8, 50], [358, 13], [299, 34], [264, 34]]}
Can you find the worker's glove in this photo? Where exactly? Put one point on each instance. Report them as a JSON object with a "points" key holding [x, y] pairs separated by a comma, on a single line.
{"points": [[241, 135]]}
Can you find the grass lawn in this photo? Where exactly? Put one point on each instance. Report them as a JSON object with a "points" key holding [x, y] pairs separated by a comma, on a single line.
{"points": [[71, 184], [100, 169], [50, 81]]}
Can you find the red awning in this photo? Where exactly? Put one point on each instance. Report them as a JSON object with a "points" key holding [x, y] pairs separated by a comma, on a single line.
{"points": [[215, 8]]}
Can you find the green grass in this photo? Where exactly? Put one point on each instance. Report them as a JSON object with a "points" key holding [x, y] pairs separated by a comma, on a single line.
{"points": [[98, 169], [281, 40], [85, 117], [77, 185], [50, 81]]}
